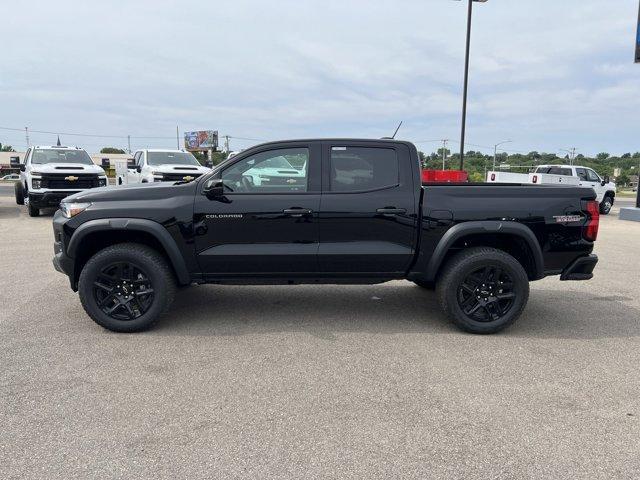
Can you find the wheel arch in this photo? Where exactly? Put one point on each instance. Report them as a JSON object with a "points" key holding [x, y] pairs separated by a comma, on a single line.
{"points": [[514, 238], [94, 235]]}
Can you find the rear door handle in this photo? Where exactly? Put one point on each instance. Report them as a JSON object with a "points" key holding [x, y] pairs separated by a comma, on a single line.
{"points": [[391, 211], [297, 212]]}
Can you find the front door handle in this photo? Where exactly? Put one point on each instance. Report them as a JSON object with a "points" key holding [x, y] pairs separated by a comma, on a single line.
{"points": [[297, 211], [391, 211]]}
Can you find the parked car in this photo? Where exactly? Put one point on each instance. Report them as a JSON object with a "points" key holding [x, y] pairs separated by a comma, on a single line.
{"points": [[151, 166], [50, 174], [12, 177], [360, 216]]}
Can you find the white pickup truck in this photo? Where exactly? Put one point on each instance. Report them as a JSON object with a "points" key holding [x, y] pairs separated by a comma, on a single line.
{"points": [[563, 175], [49, 174], [155, 165]]}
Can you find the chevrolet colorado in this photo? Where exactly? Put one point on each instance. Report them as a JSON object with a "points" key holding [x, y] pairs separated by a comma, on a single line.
{"points": [[360, 216]]}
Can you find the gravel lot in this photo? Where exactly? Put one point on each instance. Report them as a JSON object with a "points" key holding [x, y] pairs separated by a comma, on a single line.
{"points": [[333, 382]]}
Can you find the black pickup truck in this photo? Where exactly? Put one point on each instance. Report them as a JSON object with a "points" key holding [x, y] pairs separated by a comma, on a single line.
{"points": [[323, 211]]}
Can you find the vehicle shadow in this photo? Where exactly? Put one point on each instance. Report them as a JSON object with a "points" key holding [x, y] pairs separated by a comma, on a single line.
{"points": [[392, 308]]}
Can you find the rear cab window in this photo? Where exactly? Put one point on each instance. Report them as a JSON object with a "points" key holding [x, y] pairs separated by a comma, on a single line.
{"points": [[361, 169]]}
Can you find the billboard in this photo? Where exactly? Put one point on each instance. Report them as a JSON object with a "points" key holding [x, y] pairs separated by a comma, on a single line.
{"points": [[201, 140]]}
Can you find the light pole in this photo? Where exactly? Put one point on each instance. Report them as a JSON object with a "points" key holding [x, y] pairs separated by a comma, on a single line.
{"points": [[495, 151], [466, 81]]}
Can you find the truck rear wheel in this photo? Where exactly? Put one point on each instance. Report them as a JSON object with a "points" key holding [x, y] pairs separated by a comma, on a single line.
{"points": [[18, 190], [126, 287], [483, 290]]}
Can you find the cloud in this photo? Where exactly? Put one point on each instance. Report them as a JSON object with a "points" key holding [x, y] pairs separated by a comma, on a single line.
{"points": [[546, 74]]}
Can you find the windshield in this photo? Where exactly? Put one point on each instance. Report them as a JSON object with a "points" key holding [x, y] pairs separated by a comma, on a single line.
{"points": [[60, 156], [172, 158], [276, 162]]}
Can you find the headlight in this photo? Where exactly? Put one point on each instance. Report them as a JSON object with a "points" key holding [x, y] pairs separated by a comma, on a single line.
{"points": [[35, 183], [70, 209], [102, 182]]}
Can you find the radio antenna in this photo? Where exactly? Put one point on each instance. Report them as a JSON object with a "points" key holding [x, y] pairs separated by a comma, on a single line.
{"points": [[394, 133]]}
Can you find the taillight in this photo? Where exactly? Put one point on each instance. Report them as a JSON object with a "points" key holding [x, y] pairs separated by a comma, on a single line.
{"points": [[535, 179], [590, 230]]}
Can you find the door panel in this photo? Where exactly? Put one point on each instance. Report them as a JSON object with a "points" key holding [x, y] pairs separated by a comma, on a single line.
{"points": [[366, 231], [259, 228]]}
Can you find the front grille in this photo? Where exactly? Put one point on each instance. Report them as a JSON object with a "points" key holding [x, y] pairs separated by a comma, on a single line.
{"points": [[69, 180], [178, 177]]}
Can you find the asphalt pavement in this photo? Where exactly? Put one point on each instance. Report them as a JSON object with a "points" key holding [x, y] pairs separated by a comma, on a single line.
{"points": [[318, 382]]}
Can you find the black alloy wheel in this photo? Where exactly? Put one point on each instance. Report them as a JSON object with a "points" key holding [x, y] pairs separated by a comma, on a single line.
{"points": [[482, 289], [486, 294], [123, 291]]}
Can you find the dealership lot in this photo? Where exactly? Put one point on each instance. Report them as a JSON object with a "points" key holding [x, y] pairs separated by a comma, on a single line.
{"points": [[305, 381]]}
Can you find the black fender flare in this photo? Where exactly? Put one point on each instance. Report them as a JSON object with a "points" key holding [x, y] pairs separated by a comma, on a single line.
{"points": [[489, 226], [134, 224]]}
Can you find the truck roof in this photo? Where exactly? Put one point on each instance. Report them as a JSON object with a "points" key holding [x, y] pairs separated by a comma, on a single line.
{"points": [[173, 150], [55, 147], [339, 139], [559, 166]]}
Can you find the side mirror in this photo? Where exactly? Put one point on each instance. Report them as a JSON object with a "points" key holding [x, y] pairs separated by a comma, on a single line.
{"points": [[214, 188], [14, 162], [139, 169], [23, 167], [606, 180]]}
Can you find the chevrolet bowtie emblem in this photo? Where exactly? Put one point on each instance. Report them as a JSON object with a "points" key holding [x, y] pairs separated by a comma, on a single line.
{"points": [[71, 178], [188, 178], [291, 180]]}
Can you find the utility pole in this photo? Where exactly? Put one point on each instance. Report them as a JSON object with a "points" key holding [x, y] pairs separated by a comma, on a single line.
{"points": [[444, 152], [129, 143], [572, 154], [177, 138], [226, 144], [26, 133]]}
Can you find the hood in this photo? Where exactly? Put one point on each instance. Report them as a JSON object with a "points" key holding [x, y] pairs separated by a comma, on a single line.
{"points": [[134, 192], [67, 168]]}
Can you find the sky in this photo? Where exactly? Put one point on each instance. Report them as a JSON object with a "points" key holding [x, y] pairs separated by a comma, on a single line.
{"points": [[548, 74]]}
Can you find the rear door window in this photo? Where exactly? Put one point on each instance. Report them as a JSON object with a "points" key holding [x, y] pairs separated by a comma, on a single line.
{"points": [[363, 168]]}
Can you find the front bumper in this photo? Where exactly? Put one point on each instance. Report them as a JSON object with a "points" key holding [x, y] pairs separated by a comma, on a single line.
{"points": [[61, 261], [580, 269], [48, 199]]}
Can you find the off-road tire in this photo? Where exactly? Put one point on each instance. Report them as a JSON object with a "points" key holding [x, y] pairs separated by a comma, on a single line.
{"points": [[18, 189], [457, 271], [156, 269]]}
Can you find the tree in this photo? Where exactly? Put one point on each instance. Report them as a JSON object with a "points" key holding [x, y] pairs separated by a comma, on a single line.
{"points": [[112, 150], [6, 148], [622, 179], [602, 156]]}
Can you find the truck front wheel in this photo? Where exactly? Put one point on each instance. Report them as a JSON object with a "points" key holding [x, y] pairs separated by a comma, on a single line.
{"points": [[126, 287], [33, 210], [18, 190], [605, 206], [483, 290]]}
